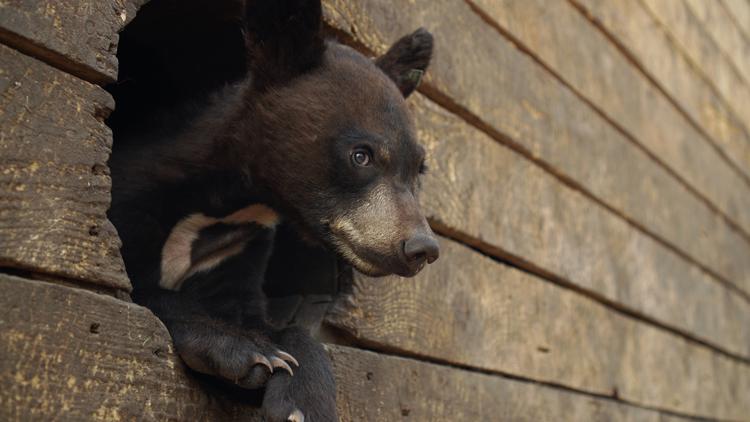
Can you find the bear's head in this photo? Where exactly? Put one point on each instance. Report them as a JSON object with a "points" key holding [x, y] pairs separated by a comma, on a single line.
{"points": [[334, 142]]}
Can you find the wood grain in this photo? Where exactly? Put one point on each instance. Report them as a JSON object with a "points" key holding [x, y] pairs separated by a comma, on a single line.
{"points": [[54, 182], [687, 32], [377, 388], [563, 38], [661, 56], [69, 354], [490, 197], [717, 22], [513, 94], [740, 10], [468, 310], [56, 364], [78, 36], [585, 58]]}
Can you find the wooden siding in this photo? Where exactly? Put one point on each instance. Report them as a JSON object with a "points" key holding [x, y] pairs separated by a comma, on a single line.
{"points": [[589, 177]]}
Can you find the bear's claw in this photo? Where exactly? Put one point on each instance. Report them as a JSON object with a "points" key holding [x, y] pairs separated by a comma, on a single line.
{"points": [[296, 416], [287, 357], [277, 362], [259, 359]]}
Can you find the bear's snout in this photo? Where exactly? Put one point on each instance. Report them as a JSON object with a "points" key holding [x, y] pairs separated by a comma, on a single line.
{"points": [[419, 250]]}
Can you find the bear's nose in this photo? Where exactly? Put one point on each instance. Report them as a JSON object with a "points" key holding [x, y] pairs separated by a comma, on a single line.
{"points": [[421, 248]]}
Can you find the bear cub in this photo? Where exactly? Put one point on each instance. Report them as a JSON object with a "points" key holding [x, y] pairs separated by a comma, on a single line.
{"points": [[316, 134]]}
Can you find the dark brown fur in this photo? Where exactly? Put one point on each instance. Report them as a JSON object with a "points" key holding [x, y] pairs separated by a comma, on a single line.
{"points": [[285, 136]]}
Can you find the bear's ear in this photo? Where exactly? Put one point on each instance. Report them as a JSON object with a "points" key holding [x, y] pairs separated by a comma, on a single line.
{"points": [[406, 61], [283, 39]]}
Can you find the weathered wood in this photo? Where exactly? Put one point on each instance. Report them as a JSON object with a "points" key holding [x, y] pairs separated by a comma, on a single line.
{"points": [[717, 22], [78, 36], [740, 10], [694, 42], [660, 55], [490, 197], [564, 39], [662, 60], [58, 364], [54, 182], [583, 56], [469, 310], [547, 119], [69, 354], [376, 388]]}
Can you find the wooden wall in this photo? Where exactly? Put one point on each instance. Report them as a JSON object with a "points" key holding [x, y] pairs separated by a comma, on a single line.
{"points": [[589, 177]]}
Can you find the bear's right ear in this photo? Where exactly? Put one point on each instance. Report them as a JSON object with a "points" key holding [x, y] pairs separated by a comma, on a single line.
{"points": [[406, 61], [283, 38]]}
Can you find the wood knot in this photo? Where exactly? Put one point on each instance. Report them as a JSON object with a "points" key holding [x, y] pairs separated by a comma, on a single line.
{"points": [[99, 170]]}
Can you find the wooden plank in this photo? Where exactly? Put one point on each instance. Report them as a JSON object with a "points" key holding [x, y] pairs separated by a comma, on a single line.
{"points": [[686, 31], [53, 367], [479, 189], [662, 59], [375, 388], [482, 314], [69, 354], [717, 22], [740, 11], [583, 56], [78, 36], [54, 182], [556, 127], [527, 214]]}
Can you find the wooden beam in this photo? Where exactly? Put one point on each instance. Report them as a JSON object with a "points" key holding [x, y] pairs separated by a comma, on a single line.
{"points": [[686, 31], [540, 117], [77, 355], [490, 197], [470, 311], [69, 354], [54, 181], [79, 37], [740, 11], [585, 58], [654, 49], [717, 22], [380, 388]]}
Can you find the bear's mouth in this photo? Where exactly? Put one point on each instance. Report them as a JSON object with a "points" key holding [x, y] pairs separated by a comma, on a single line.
{"points": [[367, 262], [345, 250], [373, 266]]}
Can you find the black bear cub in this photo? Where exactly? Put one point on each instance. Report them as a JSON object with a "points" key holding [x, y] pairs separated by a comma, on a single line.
{"points": [[316, 134]]}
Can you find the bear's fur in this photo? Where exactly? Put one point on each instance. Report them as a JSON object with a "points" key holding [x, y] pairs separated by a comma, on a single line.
{"points": [[316, 134]]}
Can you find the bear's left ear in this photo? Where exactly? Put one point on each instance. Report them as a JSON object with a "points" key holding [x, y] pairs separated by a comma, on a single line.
{"points": [[406, 61], [283, 39]]}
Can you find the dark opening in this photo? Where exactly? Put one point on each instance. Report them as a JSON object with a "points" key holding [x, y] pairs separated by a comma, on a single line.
{"points": [[174, 54]]}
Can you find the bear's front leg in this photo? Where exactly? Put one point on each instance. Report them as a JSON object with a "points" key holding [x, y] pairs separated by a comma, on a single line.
{"points": [[217, 317], [209, 345], [216, 314], [308, 395]]}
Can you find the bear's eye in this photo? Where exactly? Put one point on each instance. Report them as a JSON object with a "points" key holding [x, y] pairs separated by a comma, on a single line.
{"points": [[361, 157]]}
